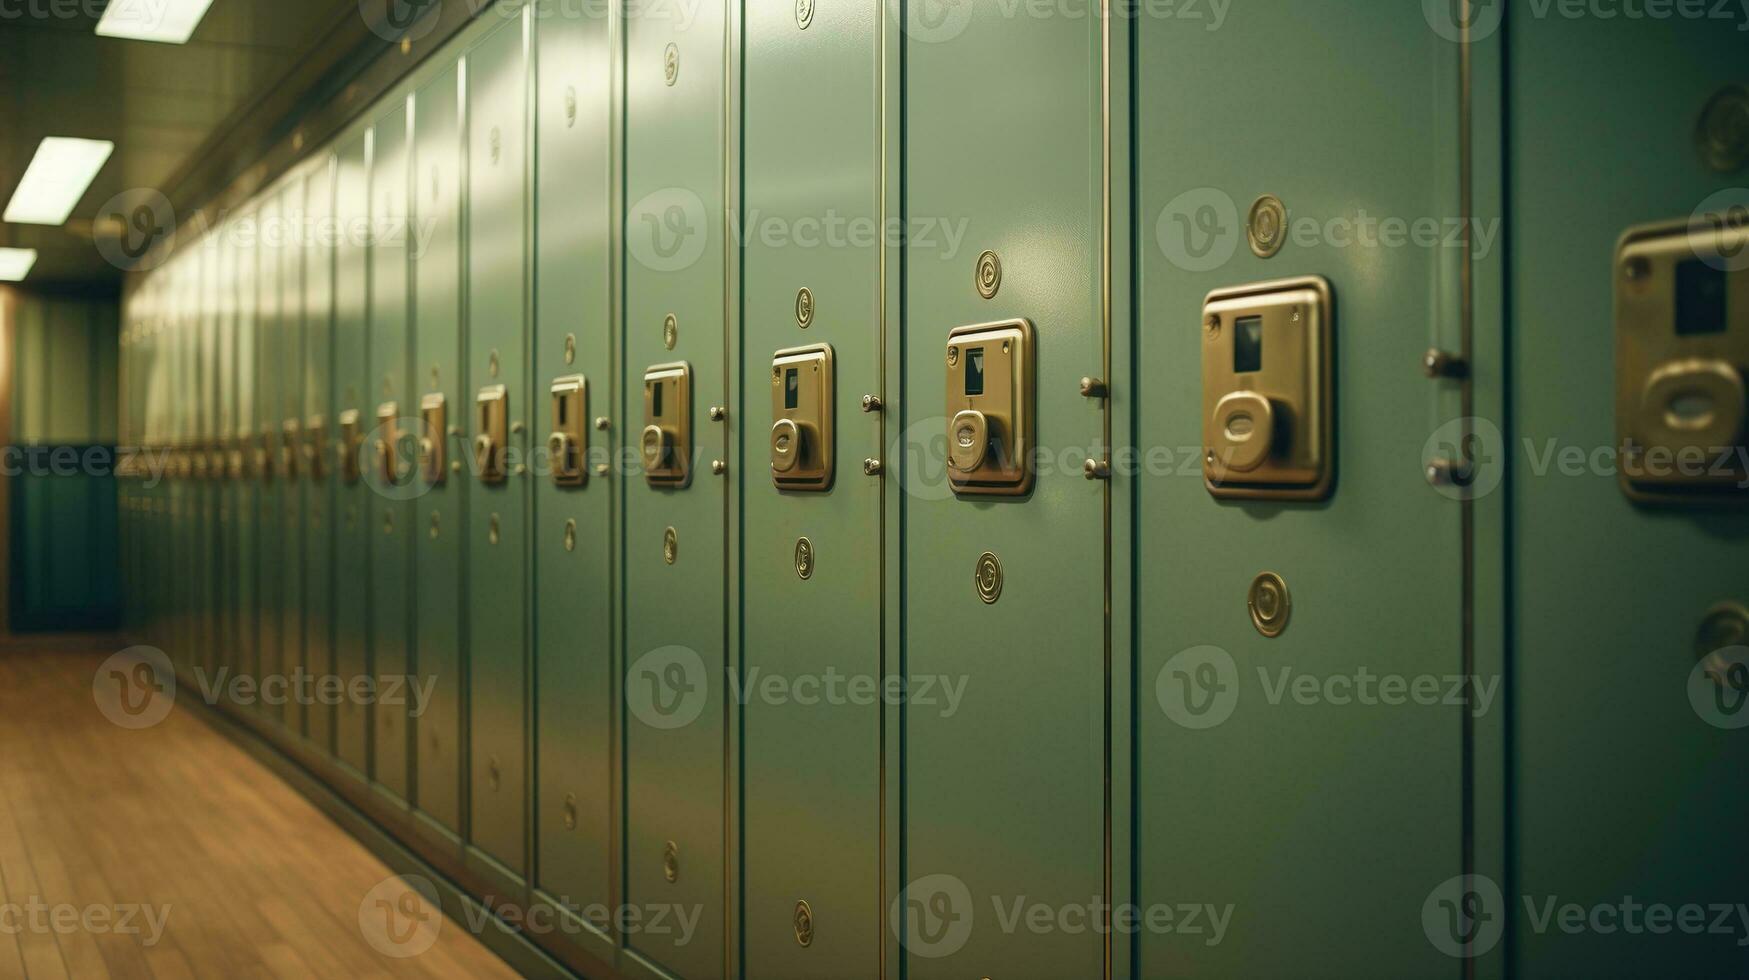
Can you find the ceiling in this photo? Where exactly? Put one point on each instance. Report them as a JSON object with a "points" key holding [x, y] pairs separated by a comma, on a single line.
{"points": [[186, 119]]}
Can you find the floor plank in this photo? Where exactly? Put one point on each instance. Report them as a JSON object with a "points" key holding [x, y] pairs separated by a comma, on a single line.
{"points": [[175, 821]]}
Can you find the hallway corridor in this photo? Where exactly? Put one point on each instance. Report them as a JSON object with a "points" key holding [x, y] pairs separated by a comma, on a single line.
{"points": [[170, 852]]}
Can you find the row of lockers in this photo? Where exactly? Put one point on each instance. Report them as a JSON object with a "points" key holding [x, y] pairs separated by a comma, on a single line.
{"points": [[907, 484]]}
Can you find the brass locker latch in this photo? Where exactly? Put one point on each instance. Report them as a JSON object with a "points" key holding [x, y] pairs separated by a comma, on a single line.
{"points": [[569, 442], [492, 442], [666, 443], [1268, 393], [291, 439], [236, 458], [388, 445], [1681, 361], [990, 393], [350, 440], [801, 408], [433, 437], [316, 447]]}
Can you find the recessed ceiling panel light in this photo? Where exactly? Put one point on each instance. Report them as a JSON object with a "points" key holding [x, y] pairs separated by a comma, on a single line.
{"points": [[56, 179], [168, 21], [15, 263]]}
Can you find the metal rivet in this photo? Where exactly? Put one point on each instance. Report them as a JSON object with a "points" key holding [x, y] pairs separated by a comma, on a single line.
{"points": [[495, 140], [1093, 388], [570, 348], [671, 861], [494, 774], [1270, 603], [1266, 227], [570, 811], [804, 921], [1722, 134], [953, 356], [989, 578], [871, 467], [602, 469], [1725, 625], [805, 308], [670, 545], [492, 532], [871, 403], [671, 63], [989, 274], [1444, 364], [718, 413], [718, 467], [388, 522], [804, 17], [435, 522], [570, 106], [602, 423], [804, 558], [1096, 469], [492, 364], [570, 535], [670, 331]]}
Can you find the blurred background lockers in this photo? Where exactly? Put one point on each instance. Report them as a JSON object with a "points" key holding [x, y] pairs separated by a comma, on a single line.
{"points": [[567, 179], [60, 361]]}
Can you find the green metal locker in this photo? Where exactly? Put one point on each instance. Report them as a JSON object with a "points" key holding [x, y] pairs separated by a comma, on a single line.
{"points": [[225, 490], [675, 535], [390, 523], [207, 537], [440, 524], [1281, 599], [1005, 583], [243, 233], [500, 410], [351, 412], [812, 577], [317, 458], [573, 384], [289, 386], [1627, 758], [271, 381]]}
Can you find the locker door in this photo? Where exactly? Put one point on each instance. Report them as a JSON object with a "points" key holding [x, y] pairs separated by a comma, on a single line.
{"points": [[352, 410], [1004, 593], [1621, 608], [812, 584], [440, 523], [498, 513], [1273, 788], [224, 298], [270, 382], [244, 234], [209, 486], [289, 379], [674, 542], [319, 433], [390, 523], [573, 544]]}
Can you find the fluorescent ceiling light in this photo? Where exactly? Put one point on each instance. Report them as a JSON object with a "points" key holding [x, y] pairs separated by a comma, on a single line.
{"points": [[15, 263], [56, 179], [169, 21]]}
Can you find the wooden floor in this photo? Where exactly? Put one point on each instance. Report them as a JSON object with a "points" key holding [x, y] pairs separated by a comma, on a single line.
{"points": [[177, 825]]}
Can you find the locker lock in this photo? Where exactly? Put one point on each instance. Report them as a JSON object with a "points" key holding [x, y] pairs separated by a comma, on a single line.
{"points": [[433, 436], [350, 440], [802, 425], [1268, 391], [666, 442], [388, 443], [569, 441], [315, 447], [492, 441], [1682, 356], [990, 394]]}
